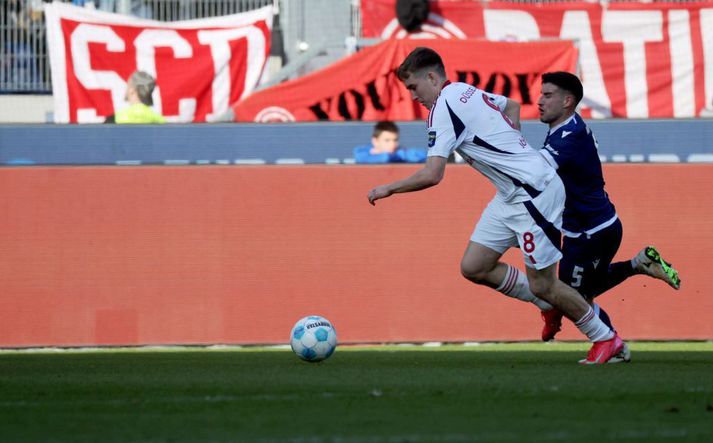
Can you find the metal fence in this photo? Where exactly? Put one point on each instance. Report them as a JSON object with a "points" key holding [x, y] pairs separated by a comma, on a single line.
{"points": [[24, 65], [172, 10], [301, 25], [24, 61]]}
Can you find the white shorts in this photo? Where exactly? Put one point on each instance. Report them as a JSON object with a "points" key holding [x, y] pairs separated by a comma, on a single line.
{"points": [[533, 225]]}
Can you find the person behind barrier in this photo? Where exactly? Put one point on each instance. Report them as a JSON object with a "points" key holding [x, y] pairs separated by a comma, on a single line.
{"points": [[138, 93], [384, 147]]}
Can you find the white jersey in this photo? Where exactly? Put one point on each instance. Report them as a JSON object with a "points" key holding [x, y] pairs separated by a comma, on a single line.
{"points": [[470, 121]]}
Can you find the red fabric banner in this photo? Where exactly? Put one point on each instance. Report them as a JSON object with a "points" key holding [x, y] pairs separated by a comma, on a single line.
{"points": [[200, 66], [637, 60], [365, 86]]}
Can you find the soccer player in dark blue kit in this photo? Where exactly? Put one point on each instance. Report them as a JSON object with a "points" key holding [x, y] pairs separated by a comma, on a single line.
{"points": [[592, 232]]}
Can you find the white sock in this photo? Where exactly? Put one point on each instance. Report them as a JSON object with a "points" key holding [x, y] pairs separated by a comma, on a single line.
{"points": [[593, 327], [515, 285], [636, 262]]}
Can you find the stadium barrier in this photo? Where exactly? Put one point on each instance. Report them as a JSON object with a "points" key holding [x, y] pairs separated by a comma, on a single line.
{"points": [[636, 141], [236, 254]]}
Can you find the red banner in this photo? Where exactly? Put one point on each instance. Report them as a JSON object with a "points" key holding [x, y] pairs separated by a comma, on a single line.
{"points": [[637, 60], [200, 66], [365, 86]]}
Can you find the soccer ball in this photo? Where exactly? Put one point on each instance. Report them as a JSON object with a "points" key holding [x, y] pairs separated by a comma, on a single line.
{"points": [[313, 338]]}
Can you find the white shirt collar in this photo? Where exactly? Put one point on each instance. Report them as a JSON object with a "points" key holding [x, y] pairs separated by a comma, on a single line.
{"points": [[571, 117]]}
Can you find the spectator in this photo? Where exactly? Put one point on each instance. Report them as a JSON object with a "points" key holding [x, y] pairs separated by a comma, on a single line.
{"points": [[384, 147], [138, 93]]}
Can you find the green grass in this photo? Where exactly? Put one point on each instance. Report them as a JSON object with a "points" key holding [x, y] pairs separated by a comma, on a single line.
{"points": [[485, 393]]}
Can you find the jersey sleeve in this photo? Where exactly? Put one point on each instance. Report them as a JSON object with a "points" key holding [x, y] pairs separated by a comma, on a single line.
{"points": [[560, 152], [446, 131]]}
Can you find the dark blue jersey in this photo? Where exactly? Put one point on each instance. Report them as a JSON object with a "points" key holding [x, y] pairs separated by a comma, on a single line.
{"points": [[574, 150]]}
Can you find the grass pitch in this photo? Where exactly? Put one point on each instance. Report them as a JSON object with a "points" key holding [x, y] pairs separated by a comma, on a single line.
{"points": [[484, 393]]}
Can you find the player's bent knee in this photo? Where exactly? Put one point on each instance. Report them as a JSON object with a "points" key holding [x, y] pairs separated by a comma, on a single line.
{"points": [[476, 274]]}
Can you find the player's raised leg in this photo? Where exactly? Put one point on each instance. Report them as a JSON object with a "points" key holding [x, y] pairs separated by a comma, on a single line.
{"points": [[649, 261]]}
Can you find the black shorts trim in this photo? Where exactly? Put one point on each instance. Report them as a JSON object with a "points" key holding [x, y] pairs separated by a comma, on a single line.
{"points": [[550, 230]]}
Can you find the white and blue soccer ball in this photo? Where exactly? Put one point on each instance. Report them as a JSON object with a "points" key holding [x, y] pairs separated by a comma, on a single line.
{"points": [[313, 338]]}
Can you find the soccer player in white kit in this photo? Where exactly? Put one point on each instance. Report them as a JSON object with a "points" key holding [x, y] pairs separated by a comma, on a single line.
{"points": [[527, 208]]}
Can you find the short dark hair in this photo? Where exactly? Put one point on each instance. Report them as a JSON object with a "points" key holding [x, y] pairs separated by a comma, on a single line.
{"points": [[419, 59], [385, 126], [565, 81]]}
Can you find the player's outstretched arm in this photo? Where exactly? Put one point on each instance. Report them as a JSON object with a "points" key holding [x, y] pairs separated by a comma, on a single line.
{"points": [[430, 175]]}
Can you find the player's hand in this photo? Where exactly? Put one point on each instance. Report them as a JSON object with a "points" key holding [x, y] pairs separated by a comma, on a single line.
{"points": [[379, 192]]}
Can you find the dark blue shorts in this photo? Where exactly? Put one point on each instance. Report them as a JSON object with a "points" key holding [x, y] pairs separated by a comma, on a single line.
{"points": [[586, 259]]}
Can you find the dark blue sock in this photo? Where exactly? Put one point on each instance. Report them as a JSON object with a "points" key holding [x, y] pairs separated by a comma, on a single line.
{"points": [[617, 273], [603, 316]]}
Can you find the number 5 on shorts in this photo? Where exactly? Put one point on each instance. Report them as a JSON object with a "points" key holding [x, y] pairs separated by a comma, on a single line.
{"points": [[577, 276]]}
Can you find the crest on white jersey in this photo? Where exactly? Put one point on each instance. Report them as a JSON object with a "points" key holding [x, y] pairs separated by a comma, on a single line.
{"points": [[431, 138]]}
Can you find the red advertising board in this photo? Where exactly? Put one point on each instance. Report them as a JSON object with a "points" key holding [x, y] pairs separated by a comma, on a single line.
{"points": [[161, 255]]}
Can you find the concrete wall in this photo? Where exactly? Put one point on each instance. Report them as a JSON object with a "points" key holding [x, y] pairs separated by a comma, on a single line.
{"points": [[26, 108]]}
